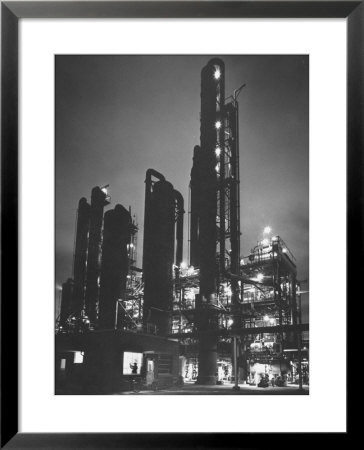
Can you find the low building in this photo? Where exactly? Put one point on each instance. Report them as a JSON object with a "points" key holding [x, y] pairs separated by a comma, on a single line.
{"points": [[106, 361]]}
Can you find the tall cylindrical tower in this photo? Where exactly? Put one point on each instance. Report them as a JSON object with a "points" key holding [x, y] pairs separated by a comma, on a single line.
{"points": [[114, 268], [80, 256], [212, 137], [99, 199], [158, 257]]}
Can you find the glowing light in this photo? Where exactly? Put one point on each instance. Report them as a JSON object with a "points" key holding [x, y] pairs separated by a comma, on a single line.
{"points": [[218, 125], [275, 238], [271, 321], [217, 168], [260, 277], [218, 151], [228, 291], [267, 230], [217, 74], [284, 250], [266, 318], [131, 245], [183, 265], [265, 241], [230, 322]]}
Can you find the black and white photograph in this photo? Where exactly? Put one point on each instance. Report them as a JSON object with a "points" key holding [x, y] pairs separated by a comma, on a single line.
{"points": [[182, 224]]}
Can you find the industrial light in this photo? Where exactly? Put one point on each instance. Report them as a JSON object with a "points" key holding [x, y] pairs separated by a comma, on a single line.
{"points": [[265, 241], [230, 322], [275, 238], [218, 151], [267, 230], [217, 168], [218, 125], [217, 74], [131, 245], [284, 250], [183, 265], [266, 318], [260, 277], [227, 290], [271, 321]]}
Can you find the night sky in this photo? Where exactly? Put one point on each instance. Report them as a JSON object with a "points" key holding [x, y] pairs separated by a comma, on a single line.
{"points": [[117, 116]]}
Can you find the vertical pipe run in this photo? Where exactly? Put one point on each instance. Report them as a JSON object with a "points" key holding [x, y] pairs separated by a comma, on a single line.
{"points": [[236, 386], [179, 227], [195, 189], [234, 212], [67, 290]]}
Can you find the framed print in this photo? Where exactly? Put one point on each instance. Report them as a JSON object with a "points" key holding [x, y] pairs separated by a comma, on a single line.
{"points": [[199, 192]]}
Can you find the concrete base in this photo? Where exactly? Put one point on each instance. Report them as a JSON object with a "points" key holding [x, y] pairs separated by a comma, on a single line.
{"points": [[206, 380]]}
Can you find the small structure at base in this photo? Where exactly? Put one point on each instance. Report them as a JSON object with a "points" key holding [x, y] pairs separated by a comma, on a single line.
{"points": [[105, 362]]}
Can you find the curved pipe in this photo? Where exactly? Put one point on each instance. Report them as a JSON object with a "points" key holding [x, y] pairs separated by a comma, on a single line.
{"points": [[179, 230], [148, 184], [151, 172], [217, 62]]}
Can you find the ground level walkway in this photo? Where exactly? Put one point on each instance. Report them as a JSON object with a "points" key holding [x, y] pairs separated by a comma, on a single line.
{"points": [[225, 389]]}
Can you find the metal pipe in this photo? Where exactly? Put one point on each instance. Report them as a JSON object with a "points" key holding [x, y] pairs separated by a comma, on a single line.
{"points": [[179, 228], [236, 386]]}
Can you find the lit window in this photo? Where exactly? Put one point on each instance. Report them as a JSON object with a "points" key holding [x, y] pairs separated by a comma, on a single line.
{"points": [[78, 358], [132, 363]]}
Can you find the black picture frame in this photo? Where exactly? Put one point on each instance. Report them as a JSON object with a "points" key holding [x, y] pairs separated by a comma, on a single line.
{"points": [[11, 12]]}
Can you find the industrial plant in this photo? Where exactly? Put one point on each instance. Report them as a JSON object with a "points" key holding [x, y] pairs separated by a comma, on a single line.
{"points": [[213, 317]]}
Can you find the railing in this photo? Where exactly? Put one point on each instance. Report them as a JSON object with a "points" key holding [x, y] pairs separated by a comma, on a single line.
{"points": [[264, 252]]}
